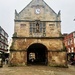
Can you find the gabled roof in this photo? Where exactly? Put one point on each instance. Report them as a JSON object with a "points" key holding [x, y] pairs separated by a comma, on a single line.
{"points": [[26, 7], [29, 10], [41, 2]]}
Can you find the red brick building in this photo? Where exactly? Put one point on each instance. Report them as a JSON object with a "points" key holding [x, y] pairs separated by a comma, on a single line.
{"points": [[69, 40]]}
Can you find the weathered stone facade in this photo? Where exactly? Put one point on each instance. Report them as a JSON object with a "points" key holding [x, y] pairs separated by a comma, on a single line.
{"points": [[38, 30]]}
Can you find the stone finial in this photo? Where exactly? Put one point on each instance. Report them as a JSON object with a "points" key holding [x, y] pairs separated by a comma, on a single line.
{"points": [[16, 14], [59, 16], [59, 13]]}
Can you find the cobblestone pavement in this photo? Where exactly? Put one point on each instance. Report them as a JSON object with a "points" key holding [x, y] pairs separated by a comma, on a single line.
{"points": [[37, 70]]}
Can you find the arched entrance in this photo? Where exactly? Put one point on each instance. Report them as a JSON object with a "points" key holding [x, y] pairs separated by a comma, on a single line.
{"points": [[37, 54]]}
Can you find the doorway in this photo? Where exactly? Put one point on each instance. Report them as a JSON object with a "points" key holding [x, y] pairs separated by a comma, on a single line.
{"points": [[37, 54]]}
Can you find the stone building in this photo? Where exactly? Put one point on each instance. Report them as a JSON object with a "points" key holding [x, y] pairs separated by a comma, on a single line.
{"points": [[37, 32]]}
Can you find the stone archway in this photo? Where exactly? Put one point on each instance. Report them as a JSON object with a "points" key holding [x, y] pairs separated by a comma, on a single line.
{"points": [[37, 54]]}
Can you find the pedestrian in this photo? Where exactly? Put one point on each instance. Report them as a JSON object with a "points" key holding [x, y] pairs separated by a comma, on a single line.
{"points": [[6, 60]]}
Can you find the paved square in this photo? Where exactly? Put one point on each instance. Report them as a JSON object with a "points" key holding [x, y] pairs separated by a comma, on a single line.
{"points": [[37, 70]]}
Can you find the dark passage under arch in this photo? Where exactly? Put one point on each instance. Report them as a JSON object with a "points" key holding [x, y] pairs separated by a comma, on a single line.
{"points": [[37, 54]]}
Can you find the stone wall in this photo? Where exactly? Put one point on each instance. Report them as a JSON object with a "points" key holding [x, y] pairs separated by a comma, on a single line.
{"points": [[18, 58], [56, 52], [57, 58], [52, 29], [51, 44]]}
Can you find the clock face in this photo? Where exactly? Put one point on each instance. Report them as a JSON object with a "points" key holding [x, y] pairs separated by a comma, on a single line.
{"points": [[37, 11]]}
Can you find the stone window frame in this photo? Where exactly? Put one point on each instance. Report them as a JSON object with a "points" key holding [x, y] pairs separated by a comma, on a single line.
{"points": [[22, 25], [51, 26], [42, 28]]}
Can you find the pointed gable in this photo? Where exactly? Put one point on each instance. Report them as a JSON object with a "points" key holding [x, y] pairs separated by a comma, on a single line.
{"points": [[31, 12]]}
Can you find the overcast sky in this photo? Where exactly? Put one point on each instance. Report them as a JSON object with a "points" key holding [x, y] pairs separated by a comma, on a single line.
{"points": [[7, 10]]}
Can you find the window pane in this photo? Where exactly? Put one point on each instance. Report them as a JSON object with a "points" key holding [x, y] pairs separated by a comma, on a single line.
{"points": [[38, 28]]}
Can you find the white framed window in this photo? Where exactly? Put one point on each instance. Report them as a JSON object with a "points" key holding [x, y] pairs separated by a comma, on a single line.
{"points": [[72, 49], [74, 34], [74, 40], [71, 41], [68, 42], [69, 50]]}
